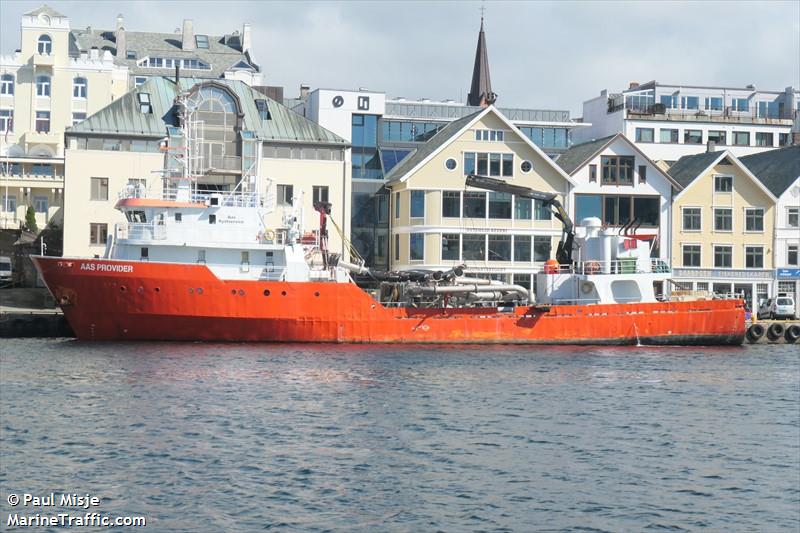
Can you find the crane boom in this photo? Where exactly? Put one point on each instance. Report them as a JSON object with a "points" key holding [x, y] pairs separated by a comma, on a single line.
{"points": [[564, 251]]}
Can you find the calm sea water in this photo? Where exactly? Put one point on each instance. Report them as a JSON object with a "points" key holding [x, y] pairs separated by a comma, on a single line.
{"points": [[205, 437]]}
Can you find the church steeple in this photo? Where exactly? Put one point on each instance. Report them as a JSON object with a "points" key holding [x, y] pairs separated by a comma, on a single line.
{"points": [[480, 93]]}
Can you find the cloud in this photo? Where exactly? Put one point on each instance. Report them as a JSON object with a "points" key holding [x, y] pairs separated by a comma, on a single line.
{"points": [[542, 54]]}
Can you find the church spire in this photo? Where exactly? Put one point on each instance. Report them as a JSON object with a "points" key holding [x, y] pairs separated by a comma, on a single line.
{"points": [[480, 93]]}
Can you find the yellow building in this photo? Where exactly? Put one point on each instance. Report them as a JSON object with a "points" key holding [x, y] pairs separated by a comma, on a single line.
{"points": [[59, 76], [242, 137], [435, 223], [723, 227]]}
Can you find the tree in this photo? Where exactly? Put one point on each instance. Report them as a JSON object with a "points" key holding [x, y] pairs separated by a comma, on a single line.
{"points": [[30, 220]]}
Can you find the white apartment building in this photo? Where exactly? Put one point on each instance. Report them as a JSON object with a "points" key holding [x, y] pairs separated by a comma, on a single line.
{"points": [[668, 121], [60, 75], [617, 183]]}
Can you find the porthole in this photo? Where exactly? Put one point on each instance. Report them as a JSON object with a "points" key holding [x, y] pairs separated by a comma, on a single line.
{"points": [[451, 164], [233, 291], [140, 290], [316, 294], [191, 290], [199, 290], [526, 166], [157, 289], [123, 289], [283, 293], [266, 292], [241, 292]]}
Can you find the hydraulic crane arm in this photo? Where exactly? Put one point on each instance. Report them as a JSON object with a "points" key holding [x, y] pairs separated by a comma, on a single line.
{"points": [[564, 251]]}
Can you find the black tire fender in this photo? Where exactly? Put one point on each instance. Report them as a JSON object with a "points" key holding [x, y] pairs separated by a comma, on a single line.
{"points": [[775, 331], [755, 332], [792, 333]]}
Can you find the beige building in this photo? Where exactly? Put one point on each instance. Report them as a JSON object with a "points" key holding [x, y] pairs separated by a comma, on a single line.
{"points": [[240, 137], [723, 227], [435, 223], [59, 76]]}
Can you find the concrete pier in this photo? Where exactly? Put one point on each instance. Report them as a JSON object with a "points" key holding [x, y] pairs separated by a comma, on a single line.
{"points": [[31, 313]]}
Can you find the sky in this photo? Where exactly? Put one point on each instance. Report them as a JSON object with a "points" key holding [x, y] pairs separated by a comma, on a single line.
{"points": [[543, 55]]}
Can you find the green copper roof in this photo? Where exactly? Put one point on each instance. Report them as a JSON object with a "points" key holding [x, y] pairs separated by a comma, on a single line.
{"points": [[123, 116]]}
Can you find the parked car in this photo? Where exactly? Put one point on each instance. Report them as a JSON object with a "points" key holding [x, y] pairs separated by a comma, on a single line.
{"points": [[781, 307], [5, 270]]}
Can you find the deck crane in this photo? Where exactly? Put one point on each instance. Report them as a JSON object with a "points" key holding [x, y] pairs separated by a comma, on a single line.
{"points": [[564, 250]]}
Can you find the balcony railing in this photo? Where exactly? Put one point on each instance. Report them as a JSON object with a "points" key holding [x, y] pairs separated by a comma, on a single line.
{"points": [[727, 114]]}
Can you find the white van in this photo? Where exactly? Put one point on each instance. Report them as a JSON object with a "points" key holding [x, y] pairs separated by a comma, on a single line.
{"points": [[5, 269], [782, 306]]}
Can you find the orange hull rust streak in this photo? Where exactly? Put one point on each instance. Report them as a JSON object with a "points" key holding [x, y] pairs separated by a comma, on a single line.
{"points": [[113, 300]]}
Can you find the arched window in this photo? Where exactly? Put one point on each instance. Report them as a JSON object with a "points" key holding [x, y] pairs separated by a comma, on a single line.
{"points": [[214, 99], [7, 84], [79, 87], [43, 85], [217, 109], [45, 45]]}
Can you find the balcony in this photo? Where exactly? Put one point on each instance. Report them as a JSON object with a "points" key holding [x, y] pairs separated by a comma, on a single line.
{"points": [[44, 137], [29, 179], [44, 60]]}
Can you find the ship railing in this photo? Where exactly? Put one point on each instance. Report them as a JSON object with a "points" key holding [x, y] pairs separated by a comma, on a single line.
{"points": [[140, 231], [586, 301], [614, 266], [203, 196]]}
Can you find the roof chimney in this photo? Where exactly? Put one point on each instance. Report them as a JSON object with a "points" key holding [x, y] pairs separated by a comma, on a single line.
{"points": [[119, 35], [304, 91], [246, 38], [187, 43], [711, 146]]}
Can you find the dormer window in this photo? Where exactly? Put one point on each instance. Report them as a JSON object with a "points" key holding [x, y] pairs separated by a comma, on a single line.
{"points": [[79, 87], [263, 109], [169, 62], [201, 41], [45, 45], [144, 103], [242, 65]]}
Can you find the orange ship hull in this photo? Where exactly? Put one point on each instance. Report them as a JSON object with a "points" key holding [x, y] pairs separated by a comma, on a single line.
{"points": [[121, 300]]}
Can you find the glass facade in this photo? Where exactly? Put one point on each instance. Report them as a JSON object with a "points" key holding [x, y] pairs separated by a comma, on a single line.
{"points": [[547, 138], [370, 222], [408, 131], [365, 161]]}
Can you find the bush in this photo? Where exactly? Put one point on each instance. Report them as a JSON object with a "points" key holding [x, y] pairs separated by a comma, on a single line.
{"points": [[30, 220]]}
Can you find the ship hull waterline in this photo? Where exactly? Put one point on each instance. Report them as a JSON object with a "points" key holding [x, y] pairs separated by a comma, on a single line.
{"points": [[130, 300]]}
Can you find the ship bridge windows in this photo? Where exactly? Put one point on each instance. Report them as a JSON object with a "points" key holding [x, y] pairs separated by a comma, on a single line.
{"points": [[136, 216]]}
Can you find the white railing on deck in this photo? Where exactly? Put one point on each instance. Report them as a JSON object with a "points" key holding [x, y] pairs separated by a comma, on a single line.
{"points": [[140, 231], [616, 266], [203, 196]]}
